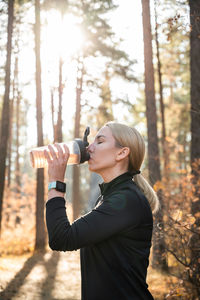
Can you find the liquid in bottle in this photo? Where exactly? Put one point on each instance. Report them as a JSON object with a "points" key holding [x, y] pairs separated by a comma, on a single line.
{"points": [[38, 159]]}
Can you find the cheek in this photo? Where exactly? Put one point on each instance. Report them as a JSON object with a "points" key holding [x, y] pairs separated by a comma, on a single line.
{"points": [[104, 157], [102, 152]]}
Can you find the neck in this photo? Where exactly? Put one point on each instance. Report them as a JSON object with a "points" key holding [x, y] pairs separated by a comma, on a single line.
{"points": [[109, 175]]}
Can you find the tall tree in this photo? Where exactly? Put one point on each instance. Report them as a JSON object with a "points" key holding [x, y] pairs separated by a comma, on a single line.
{"points": [[76, 170], [105, 111], [40, 226], [60, 93], [5, 110], [17, 140], [195, 133], [162, 107], [17, 164], [17, 93], [159, 257], [15, 111], [62, 7], [174, 57], [53, 116], [10, 133]]}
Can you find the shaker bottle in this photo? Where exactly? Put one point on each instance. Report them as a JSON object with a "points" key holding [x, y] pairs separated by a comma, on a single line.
{"points": [[77, 149]]}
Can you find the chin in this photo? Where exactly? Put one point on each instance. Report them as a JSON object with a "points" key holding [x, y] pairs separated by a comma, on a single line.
{"points": [[92, 168]]}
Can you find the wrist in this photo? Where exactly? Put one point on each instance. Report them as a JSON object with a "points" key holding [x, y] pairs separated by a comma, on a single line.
{"points": [[53, 193], [59, 186], [55, 178]]}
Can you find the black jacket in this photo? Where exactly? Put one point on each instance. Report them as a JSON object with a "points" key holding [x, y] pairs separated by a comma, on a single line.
{"points": [[115, 241]]}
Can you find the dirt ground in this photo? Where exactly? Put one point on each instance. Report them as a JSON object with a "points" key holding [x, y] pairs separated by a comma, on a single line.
{"points": [[54, 276], [44, 276]]}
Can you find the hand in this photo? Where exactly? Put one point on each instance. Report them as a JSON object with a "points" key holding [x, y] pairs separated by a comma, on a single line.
{"points": [[57, 162]]}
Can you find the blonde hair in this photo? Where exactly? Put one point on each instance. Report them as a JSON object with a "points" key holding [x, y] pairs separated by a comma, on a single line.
{"points": [[126, 136]]}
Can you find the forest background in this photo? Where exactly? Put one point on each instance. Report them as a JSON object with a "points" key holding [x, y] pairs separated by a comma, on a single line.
{"points": [[70, 64]]}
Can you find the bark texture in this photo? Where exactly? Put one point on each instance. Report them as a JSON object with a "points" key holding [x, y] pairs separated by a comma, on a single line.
{"points": [[40, 226], [195, 135], [159, 254], [4, 137], [76, 200], [59, 136], [162, 107]]}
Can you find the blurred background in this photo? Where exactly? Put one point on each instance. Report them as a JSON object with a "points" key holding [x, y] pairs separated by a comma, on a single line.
{"points": [[66, 65]]}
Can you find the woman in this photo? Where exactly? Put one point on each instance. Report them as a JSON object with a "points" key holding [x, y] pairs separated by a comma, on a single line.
{"points": [[115, 237]]}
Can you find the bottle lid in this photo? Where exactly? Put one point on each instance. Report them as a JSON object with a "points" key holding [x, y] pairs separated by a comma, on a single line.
{"points": [[82, 145]]}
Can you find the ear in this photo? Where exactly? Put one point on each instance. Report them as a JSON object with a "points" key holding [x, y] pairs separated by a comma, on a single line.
{"points": [[122, 153]]}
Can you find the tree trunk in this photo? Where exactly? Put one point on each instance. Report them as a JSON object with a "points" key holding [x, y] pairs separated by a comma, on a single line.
{"points": [[105, 110], [52, 117], [162, 108], [60, 92], [10, 135], [5, 110], [59, 137], [159, 257], [40, 226], [76, 170], [195, 134], [17, 165]]}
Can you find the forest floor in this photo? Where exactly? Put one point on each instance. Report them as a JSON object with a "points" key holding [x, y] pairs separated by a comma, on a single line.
{"points": [[46, 276], [56, 276]]}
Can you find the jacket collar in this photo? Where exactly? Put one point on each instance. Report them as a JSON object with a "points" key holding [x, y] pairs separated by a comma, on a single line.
{"points": [[108, 186]]}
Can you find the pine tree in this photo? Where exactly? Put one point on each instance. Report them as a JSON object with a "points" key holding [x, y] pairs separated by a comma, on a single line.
{"points": [[40, 226], [105, 111], [76, 170], [159, 257], [195, 134], [6, 106]]}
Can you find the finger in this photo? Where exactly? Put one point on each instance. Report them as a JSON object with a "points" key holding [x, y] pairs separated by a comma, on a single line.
{"points": [[60, 151], [63, 153], [52, 152], [66, 152], [47, 156]]}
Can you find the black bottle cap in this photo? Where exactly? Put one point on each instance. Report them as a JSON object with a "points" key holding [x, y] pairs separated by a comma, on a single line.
{"points": [[82, 145]]}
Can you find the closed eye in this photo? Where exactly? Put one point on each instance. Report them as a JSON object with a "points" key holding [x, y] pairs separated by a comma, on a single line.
{"points": [[100, 139]]}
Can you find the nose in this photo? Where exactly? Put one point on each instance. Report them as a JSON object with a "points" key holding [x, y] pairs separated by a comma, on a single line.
{"points": [[90, 148]]}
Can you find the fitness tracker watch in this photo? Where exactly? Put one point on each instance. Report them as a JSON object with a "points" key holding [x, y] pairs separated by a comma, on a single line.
{"points": [[58, 185]]}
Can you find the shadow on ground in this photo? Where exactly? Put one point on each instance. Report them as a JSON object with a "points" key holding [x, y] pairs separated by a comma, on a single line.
{"points": [[46, 286]]}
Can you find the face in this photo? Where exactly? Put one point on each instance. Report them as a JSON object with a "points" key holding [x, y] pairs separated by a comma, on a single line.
{"points": [[103, 152]]}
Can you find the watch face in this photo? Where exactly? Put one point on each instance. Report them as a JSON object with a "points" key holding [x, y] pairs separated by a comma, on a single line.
{"points": [[60, 186]]}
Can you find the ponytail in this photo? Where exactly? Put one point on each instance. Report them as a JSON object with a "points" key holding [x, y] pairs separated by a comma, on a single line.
{"points": [[148, 191]]}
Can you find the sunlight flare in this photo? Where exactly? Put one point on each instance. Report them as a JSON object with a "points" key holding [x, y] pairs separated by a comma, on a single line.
{"points": [[63, 36]]}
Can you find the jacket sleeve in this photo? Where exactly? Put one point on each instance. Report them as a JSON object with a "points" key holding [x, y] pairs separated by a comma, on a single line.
{"points": [[105, 220]]}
